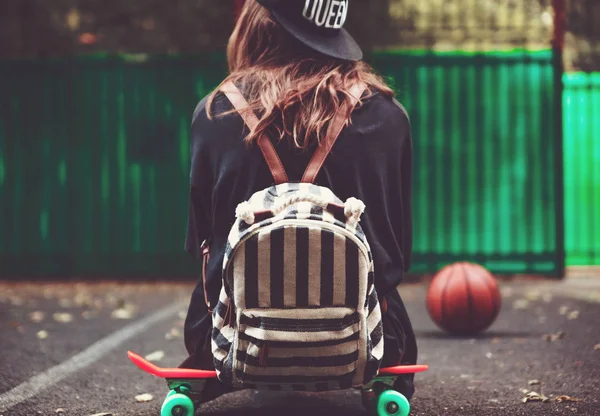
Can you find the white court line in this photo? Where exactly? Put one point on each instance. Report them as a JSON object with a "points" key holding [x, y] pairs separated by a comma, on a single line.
{"points": [[86, 357]]}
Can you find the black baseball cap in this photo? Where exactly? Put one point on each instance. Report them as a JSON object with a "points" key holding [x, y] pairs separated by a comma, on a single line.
{"points": [[319, 24]]}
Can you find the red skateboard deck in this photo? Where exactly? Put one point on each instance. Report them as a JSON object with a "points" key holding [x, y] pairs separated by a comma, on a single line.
{"points": [[187, 386], [182, 373]]}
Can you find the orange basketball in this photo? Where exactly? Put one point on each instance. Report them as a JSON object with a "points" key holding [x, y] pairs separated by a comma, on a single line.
{"points": [[463, 298]]}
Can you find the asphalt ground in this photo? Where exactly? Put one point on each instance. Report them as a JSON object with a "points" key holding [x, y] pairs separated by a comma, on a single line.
{"points": [[63, 351]]}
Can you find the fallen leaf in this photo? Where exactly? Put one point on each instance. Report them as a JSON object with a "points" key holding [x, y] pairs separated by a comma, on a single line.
{"points": [[489, 355], [532, 295], [520, 304], [65, 303], [560, 399], [37, 316], [534, 382], [547, 297], [597, 347], [121, 314], [573, 315], [62, 317], [60, 410], [495, 340], [155, 356], [17, 326], [73, 19], [83, 299], [123, 311], [182, 314], [554, 337], [142, 398], [563, 310], [87, 315], [533, 396], [42, 334], [174, 333], [16, 301], [87, 38]]}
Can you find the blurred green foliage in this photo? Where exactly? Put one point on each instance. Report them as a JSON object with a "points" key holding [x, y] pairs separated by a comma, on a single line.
{"points": [[42, 28]]}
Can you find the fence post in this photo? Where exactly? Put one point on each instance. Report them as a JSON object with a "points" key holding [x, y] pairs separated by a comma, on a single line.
{"points": [[558, 65]]}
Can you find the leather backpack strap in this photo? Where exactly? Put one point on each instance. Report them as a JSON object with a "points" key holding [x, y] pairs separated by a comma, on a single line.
{"points": [[268, 150], [333, 132]]}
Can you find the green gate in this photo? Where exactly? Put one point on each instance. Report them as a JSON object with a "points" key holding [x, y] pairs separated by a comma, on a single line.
{"points": [[581, 104]]}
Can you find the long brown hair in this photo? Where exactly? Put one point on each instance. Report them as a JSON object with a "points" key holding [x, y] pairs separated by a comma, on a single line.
{"points": [[287, 84]]}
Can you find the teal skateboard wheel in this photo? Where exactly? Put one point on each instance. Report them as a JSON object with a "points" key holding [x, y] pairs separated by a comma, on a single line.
{"points": [[177, 404], [392, 403]]}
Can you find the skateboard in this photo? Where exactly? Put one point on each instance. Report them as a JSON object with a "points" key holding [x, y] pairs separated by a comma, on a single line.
{"points": [[186, 387]]}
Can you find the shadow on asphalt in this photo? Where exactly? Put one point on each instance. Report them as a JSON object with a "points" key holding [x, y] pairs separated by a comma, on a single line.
{"points": [[482, 336], [252, 403]]}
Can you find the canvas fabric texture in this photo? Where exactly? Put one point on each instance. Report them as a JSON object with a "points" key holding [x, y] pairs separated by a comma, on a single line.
{"points": [[298, 309]]}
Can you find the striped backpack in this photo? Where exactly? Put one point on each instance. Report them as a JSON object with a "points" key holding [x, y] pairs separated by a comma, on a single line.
{"points": [[298, 308]]}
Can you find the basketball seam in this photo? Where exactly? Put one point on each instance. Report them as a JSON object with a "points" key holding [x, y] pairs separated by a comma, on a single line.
{"points": [[444, 290], [471, 320]]}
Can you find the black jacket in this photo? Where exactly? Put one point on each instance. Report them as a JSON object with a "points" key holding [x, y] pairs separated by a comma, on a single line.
{"points": [[371, 161]]}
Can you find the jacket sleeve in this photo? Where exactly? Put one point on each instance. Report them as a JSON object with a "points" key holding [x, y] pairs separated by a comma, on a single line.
{"points": [[406, 173], [402, 221], [200, 187]]}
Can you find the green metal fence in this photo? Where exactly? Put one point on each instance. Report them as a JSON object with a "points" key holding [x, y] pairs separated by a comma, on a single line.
{"points": [[96, 155], [94, 158], [484, 157], [581, 103]]}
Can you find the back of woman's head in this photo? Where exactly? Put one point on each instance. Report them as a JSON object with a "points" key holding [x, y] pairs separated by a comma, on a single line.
{"points": [[290, 86]]}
